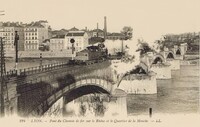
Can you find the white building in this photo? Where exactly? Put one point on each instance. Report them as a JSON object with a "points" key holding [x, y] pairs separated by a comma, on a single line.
{"points": [[81, 40]]}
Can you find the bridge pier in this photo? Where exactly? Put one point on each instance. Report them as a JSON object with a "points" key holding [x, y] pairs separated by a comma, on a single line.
{"points": [[139, 84], [163, 71], [175, 64]]}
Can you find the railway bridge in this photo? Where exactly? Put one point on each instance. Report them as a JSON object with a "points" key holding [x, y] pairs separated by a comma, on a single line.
{"points": [[32, 91]]}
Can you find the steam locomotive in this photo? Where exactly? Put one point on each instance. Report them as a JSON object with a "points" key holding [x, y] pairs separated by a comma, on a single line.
{"points": [[90, 55]]}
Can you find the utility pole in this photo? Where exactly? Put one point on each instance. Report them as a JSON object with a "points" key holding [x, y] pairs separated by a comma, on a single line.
{"points": [[3, 75]]}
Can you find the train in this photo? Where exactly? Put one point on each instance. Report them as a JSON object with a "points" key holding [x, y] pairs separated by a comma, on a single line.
{"points": [[90, 55]]}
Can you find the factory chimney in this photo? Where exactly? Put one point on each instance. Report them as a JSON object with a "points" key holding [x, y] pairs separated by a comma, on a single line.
{"points": [[105, 28], [97, 30]]}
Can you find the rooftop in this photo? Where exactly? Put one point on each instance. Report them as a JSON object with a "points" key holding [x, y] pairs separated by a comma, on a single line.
{"points": [[97, 30], [58, 37], [11, 24], [115, 34], [78, 33]]}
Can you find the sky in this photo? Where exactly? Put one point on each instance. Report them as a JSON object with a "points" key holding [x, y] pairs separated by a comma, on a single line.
{"points": [[150, 19]]}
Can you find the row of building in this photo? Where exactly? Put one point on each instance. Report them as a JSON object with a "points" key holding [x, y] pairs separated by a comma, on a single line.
{"points": [[36, 34], [30, 35]]}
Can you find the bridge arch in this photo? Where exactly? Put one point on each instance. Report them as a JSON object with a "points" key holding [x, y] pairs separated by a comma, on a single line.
{"points": [[178, 51], [170, 55], [104, 86], [158, 58]]}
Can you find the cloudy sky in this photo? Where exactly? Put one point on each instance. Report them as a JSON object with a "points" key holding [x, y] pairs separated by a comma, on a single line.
{"points": [[149, 18]]}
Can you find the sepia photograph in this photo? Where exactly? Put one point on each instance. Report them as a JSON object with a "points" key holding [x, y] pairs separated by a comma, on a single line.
{"points": [[99, 63]]}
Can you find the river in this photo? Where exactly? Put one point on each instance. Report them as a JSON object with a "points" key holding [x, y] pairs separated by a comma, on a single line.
{"points": [[179, 95]]}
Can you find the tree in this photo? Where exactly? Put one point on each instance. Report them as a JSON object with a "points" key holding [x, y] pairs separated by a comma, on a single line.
{"points": [[144, 47], [128, 32]]}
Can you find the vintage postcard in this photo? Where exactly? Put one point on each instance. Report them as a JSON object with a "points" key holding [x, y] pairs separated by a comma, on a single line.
{"points": [[124, 63]]}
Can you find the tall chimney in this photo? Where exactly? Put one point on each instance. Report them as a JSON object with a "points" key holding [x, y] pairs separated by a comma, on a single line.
{"points": [[97, 30], [105, 28]]}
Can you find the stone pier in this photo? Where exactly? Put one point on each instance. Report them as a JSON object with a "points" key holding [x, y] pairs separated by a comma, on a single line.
{"points": [[163, 71], [175, 64], [139, 84]]}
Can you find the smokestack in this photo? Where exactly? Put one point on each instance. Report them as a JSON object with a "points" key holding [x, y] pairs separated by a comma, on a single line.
{"points": [[105, 28], [97, 30]]}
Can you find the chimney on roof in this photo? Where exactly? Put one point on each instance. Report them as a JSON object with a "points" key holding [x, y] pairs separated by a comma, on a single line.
{"points": [[86, 28], [105, 28]]}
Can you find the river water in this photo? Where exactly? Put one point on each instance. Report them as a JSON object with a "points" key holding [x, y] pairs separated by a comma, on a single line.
{"points": [[179, 95]]}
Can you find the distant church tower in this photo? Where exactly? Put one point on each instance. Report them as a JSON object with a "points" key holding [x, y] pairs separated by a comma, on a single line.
{"points": [[105, 28]]}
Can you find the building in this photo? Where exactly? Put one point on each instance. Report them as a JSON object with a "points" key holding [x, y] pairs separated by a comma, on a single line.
{"points": [[34, 34], [81, 40], [116, 36], [97, 33], [57, 43], [59, 32], [7, 31]]}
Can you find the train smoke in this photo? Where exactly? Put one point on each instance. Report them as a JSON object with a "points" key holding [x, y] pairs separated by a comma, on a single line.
{"points": [[131, 58]]}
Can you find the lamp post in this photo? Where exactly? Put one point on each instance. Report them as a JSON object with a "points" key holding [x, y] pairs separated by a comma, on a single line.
{"points": [[16, 49], [40, 61]]}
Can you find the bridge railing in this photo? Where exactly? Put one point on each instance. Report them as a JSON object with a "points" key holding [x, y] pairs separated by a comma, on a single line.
{"points": [[37, 69], [77, 73]]}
